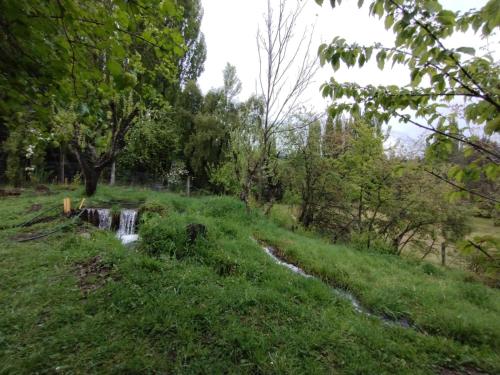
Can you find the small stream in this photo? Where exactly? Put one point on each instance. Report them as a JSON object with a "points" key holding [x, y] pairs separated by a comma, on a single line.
{"points": [[125, 223], [357, 306]]}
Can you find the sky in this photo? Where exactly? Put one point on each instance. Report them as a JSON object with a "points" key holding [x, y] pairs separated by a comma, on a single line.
{"points": [[230, 28]]}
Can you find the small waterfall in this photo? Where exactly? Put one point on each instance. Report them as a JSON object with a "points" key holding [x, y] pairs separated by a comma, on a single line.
{"points": [[104, 218], [126, 231]]}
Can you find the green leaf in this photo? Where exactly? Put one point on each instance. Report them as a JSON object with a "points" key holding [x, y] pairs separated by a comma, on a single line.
{"points": [[389, 21], [114, 68], [381, 59], [492, 126], [168, 7], [416, 77], [378, 9], [468, 50], [492, 171], [432, 6], [446, 17]]}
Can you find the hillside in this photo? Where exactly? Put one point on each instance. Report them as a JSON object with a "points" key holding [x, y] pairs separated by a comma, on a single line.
{"points": [[78, 301]]}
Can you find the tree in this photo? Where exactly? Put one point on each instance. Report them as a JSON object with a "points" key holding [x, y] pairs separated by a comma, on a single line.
{"points": [[152, 146], [286, 69], [232, 84], [306, 169], [190, 65], [207, 141], [100, 58], [237, 174], [420, 28]]}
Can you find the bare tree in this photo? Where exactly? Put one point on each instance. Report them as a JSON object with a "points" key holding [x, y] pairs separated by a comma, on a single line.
{"points": [[286, 70]]}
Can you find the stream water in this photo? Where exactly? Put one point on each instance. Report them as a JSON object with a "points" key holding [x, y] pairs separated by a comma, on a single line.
{"points": [[104, 218], [340, 292], [127, 226], [126, 231]]}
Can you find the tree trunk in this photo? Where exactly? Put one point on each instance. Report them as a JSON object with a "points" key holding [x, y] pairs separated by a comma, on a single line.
{"points": [[360, 211], [112, 177], [91, 179], [306, 215], [443, 254], [62, 161]]}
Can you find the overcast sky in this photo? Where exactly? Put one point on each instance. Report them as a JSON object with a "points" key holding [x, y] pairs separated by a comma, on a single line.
{"points": [[230, 28]]}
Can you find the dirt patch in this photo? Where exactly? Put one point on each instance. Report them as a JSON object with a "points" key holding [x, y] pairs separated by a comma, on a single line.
{"points": [[34, 208], [93, 274], [42, 189], [24, 236], [10, 192], [462, 371]]}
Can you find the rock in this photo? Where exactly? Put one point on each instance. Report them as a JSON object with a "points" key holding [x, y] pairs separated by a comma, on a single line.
{"points": [[86, 235], [194, 231]]}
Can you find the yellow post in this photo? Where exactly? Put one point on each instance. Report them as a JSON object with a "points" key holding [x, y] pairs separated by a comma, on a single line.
{"points": [[81, 204], [67, 205]]}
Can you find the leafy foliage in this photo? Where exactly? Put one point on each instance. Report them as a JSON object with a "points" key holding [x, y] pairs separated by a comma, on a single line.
{"points": [[420, 28]]}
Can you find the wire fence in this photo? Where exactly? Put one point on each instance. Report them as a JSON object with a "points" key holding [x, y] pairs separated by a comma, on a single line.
{"points": [[52, 173]]}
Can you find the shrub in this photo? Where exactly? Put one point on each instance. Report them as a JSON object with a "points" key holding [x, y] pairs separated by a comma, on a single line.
{"points": [[153, 208], [431, 269], [224, 206], [168, 235], [378, 245], [165, 236]]}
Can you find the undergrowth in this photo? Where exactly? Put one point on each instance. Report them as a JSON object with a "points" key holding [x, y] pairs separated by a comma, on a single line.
{"points": [[221, 305]]}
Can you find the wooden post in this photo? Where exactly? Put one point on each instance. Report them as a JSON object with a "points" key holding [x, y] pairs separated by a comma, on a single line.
{"points": [[113, 174], [443, 254], [188, 186], [67, 206], [81, 204]]}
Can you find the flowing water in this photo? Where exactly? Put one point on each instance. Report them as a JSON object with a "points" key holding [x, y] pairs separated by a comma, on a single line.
{"points": [[126, 231], [104, 218], [340, 292]]}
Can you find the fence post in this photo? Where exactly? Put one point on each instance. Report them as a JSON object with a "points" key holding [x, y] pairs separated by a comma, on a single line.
{"points": [[188, 186], [113, 174], [443, 253]]}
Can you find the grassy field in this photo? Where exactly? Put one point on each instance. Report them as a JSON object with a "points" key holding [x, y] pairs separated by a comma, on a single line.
{"points": [[79, 301]]}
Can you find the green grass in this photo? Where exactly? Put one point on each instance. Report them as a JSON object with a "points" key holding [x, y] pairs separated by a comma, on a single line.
{"points": [[484, 227], [222, 305]]}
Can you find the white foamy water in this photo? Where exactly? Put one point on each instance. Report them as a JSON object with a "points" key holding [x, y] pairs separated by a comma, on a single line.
{"points": [[126, 231], [104, 218]]}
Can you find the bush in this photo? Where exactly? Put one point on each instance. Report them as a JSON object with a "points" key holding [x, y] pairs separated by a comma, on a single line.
{"points": [[378, 245], [169, 235], [165, 236], [432, 270], [153, 208], [223, 207]]}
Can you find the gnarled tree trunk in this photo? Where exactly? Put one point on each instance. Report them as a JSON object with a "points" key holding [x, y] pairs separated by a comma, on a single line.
{"points": [[93, 163]]}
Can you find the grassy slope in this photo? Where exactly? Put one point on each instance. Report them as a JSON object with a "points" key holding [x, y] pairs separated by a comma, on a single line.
{"points": [[226, 306]]}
